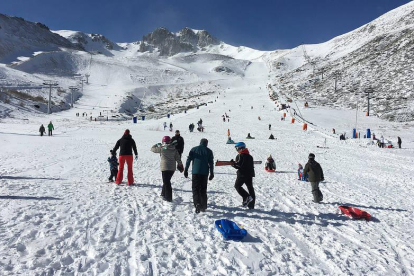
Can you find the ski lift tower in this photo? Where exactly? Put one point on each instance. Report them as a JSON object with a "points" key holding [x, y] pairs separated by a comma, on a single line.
{"points": [[50, 84], [72, 89], [368, 91]]}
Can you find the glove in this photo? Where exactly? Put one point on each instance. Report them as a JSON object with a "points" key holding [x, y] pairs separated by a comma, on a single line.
{"points": [[136, 157], [211, 176], [186, 174], [180, 168]]}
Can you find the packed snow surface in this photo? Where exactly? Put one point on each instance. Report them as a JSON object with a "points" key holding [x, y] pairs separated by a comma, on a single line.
{"points": [[59, 215]]}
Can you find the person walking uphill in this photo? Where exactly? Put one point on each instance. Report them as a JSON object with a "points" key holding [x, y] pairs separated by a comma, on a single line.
{"points": [[42, 130], [179, 142], [126, 145], [245, 173], [50, 128], [203, 164], [315, 175], [169, 156]]}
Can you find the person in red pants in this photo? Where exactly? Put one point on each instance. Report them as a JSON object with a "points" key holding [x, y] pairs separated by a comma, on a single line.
{"points": [[126, 145]]}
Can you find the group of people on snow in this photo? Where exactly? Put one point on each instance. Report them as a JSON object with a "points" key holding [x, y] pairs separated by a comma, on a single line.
{"points": [[200, 158], [50, 129]]}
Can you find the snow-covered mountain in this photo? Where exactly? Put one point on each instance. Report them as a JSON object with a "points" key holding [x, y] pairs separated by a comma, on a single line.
{"points": [[377, 55], [19, 37], [168, 43]]}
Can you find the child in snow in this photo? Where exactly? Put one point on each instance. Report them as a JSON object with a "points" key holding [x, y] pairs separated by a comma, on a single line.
{"points": [[113, 165], [300, 173], [270, 163]]}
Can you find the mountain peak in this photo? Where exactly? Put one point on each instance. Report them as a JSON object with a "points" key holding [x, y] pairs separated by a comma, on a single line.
{"points": [[169, 43]]}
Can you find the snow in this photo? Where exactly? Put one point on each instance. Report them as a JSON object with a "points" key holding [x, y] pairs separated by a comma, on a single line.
{"points": [[60, 216]]}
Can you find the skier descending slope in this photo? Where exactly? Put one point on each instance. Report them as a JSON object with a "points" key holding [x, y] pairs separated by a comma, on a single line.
{"points": [[169, 156], [202, 158], [127, 144], [245, 173], [315, 173]]}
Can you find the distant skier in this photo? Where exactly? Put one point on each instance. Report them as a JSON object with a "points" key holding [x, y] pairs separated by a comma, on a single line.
{"points": [[179, 142], [270, 163], [113, 166], [171, 127], [126, 145], [333, 131], [50, 128], [271, 137], [315, 172], [165, 125], [245, 173], [399, 142], [382, 145], [270, 126], [228, 132], [203, 165], [42, 130], [169, 157]]}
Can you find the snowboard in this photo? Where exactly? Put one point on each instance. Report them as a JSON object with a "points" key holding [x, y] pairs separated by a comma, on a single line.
{"points": [[229, 163]]}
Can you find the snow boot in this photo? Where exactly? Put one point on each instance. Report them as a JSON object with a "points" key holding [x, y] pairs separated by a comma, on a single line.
{"points": [[198, 209], [247, 201]]}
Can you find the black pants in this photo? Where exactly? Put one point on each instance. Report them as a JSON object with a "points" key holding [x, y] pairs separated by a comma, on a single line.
{"points": [[200, 190], [50, 132], [114, 172], [399, 145], [166, 187], [240, 180], [41, 134], [317, 194]]}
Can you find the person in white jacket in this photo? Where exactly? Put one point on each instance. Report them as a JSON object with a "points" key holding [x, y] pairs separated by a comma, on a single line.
{"points": [[169, 158]]}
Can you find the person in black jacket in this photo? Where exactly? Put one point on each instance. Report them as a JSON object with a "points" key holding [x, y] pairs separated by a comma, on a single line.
{"points": [[399, 142], [179, 142], [42, 130], [127, 145], [245, 173], [315, 175]]}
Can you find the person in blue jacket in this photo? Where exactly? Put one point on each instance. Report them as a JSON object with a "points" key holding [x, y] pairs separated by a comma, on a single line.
{"points": [[203, 165]]}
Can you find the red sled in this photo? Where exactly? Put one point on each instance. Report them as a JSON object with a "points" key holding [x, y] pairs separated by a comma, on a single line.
{"points": [[355, 213], [269, 170]]}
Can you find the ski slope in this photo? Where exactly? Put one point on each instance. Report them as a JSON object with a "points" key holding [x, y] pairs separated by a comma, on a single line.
{"points": [[60, 216]]}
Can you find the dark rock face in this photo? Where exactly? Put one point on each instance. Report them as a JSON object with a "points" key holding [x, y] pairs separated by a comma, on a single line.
{"points": [[19, 36], [170, 44]]}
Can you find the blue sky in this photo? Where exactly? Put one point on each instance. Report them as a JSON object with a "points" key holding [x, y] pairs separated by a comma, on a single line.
{"points": [[260, 24]]}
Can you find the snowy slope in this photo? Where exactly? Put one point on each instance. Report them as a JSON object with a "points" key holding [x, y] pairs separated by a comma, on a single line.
{"points": [[60, 216], [376, 55]]}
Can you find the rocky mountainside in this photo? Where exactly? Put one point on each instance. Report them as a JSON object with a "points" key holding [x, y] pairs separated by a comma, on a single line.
{"points": [[95, 43], [168, 43], [377, 57], [19, 37]]}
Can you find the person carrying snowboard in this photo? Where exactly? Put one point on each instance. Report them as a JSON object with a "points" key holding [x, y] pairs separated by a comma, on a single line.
{"points": [[126, 145], [245, 173], [50, 127], [203, 164], [113, 165], [270, 163], [315, 175], [42, 130], [169, 157], [179, 142]]}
